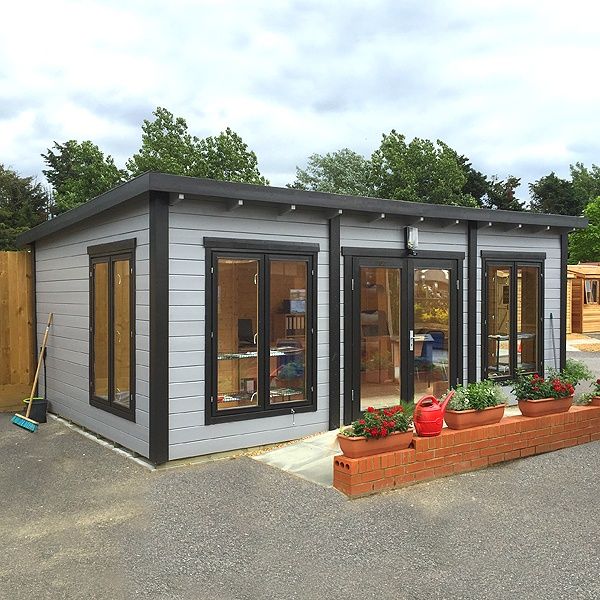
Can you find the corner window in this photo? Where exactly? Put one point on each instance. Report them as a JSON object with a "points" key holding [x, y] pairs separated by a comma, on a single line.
{"points": [[260, 332], [512, 318], [112, 318]]}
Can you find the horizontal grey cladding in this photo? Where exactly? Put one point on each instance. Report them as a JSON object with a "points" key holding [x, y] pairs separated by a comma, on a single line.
{"points": [[62, 278], [190, 222]]}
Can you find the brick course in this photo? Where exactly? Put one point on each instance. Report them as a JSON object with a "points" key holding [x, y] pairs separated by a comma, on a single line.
{"points": [[466, 450]]}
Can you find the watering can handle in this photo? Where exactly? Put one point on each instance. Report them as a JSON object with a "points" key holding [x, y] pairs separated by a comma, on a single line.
{"points": [[430, 397]]}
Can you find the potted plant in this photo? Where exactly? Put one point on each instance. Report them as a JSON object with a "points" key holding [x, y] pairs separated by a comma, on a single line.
{"points": [[595, 398], [378, 430], [475, 404], [538, 396]]}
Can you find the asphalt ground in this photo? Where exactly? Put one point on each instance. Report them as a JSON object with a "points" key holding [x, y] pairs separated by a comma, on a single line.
{"points": [[81, 521]]}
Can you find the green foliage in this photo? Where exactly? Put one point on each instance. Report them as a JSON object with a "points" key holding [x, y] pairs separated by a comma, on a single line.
{"points": [[583, 399], [420, 171], [501, 194], [586, 182], [575, 372], [79, 172], [476, 184], [168, 147], [553, 195], [476, 396], [340, 172], [23, 205], [584, 244], [377, 423]]}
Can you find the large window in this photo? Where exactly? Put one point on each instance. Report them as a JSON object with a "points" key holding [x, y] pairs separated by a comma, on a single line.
{"points": [[260, 330], [512, 318], [112, 316]]}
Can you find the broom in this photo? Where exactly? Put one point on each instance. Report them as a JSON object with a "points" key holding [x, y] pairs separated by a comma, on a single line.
{"points": [[24, 421]]}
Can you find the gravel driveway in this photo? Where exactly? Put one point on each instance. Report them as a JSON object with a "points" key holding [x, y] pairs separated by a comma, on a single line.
{"points": [[80, 521]]}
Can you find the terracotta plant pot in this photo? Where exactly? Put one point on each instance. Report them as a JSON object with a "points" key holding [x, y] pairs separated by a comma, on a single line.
{"points": [[463, 419], [545, 406], [595, 401], [357, 447]]}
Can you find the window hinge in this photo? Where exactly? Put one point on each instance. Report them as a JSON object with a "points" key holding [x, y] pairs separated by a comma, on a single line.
{"points": [[353, 284], [312, 271], [312, 330], [458, 284], [312, 389], [352, 395], [212, 270], [212, 399], [212, 334]]}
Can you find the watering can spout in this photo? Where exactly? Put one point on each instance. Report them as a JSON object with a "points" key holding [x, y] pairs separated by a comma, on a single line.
{"points": [[446, 400]]}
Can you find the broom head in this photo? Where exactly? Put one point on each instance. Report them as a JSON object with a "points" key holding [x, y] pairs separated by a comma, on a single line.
{"points": [[25, 423]]}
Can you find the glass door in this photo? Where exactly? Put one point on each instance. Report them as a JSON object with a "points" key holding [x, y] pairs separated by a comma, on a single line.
{"points": [[380, 310], [431, 337], [404, 340]]}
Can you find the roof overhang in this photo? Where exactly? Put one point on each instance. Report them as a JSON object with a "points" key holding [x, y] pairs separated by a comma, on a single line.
{"points": [[285, 198]]}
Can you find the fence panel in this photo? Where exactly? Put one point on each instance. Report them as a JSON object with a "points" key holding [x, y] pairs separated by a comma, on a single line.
{"points": [[16, 329]]}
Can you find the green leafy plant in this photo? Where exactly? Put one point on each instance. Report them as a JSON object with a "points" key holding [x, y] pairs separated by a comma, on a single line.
{"points": [[378, 423], [534, 387], [477, 396], [575, 372], [596, 388], [584, 399]]}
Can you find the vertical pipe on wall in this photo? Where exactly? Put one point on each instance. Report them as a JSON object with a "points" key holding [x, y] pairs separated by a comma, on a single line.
{"points": [[564, 250], [471, 302], [159, 327], [334, 322]]}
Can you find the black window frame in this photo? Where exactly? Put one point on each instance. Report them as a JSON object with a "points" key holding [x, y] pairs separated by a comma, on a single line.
{"points": [[512, 261], [110, 253], [265, 252]]}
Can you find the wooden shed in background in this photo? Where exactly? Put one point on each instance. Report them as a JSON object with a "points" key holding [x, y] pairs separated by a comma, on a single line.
{"points": [[583, 296]]}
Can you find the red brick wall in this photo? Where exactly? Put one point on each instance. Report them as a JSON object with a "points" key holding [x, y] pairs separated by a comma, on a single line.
{"points": [[467, 450]]}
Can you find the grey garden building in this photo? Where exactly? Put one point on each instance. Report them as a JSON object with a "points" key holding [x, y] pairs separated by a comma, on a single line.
{"points": [[195, 316]]}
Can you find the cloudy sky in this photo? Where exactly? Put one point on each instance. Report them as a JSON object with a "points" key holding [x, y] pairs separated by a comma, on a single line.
{"points": [[513, 85]]}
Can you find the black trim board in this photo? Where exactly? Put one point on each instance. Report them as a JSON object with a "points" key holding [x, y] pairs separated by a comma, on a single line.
{"points": [[564, 251], [334, 322], [159, 327], [196, 188], [513, 256], [262, 246], [112, 247], [392, 253], [472, 302]]}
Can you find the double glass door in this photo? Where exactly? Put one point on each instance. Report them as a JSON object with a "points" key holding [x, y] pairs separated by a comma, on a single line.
{"points": [[404, 331]]}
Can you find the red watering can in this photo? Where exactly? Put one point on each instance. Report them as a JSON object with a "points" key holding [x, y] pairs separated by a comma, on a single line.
{"points": [[429, 415]]}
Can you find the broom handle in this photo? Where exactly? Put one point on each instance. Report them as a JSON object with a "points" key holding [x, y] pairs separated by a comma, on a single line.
{"points": [[37, 371]]}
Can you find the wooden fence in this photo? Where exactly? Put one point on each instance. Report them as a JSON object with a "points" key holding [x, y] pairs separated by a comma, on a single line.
{"points": [[16, 329]]}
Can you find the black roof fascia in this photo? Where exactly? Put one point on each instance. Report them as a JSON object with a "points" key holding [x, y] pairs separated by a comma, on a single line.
{"points": [[194, 187]]}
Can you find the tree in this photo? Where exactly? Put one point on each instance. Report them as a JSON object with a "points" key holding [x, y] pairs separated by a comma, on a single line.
{"points": [[476, 184], [420, 171], [586, 182], [23, 205], [553, 195], [584, 244], [168, 147], [227, 158], [501, 194], [78, 172], [341, 172]]}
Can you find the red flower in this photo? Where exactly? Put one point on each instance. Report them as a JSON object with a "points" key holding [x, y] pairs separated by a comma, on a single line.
{"points": [[362, 422], [370, 409], [384, 432]]}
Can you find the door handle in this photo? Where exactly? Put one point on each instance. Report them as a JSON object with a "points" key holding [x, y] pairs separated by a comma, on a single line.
{"points": [[411, 340]]}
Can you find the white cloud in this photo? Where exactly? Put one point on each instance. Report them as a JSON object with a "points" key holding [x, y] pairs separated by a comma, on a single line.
{"points": [[511, 84]]}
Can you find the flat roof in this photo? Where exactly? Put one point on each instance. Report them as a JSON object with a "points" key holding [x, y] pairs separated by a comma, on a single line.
{"points": [[585, 270], [197, 188]]}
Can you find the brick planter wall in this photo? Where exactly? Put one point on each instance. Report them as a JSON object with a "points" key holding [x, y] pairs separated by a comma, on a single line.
{"points": [[467, 450]]}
